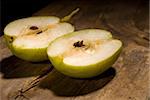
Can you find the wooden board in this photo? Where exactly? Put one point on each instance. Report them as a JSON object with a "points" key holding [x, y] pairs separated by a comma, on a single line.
{"points": [[127, 79]]}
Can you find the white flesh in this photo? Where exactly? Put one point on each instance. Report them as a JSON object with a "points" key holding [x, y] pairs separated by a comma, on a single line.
{"points": [[95, 55], [99, 46], [18, 27], [43, 39]]}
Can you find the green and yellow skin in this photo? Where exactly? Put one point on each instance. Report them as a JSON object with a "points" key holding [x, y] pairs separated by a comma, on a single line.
{"points": [[18, 32], [33, 55], [82, 71]]}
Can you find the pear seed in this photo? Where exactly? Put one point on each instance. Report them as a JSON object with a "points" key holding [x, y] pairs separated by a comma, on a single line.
{"points": [[34, 28], [39, 32], [78, 44]]}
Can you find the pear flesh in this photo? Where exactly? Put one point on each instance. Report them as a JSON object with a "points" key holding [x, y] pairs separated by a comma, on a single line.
{"points": [[28, 38], [84, 53]]}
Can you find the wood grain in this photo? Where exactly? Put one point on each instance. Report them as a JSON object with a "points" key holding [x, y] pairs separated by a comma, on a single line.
{"points": [[127, 79]]}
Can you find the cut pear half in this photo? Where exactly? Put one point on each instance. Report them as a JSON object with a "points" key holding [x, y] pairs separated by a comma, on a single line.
{"points": [[28, 38], [84, 53]]}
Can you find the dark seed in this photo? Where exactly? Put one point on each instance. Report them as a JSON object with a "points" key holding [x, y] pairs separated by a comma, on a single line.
{"points": [[39, 32], [78, 44], [34, 28], [11, 40]]}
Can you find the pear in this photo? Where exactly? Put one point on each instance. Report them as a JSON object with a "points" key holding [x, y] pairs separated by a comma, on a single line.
{"points": [[85, 53], [28, 38]]}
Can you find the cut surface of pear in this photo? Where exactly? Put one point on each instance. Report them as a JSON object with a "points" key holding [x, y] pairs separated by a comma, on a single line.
{"points": [[19, 26], [28, 38], [84, 53]]}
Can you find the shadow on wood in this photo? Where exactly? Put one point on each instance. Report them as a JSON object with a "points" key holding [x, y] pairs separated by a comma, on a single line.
{"points": [[63, 85], [21, 68]]}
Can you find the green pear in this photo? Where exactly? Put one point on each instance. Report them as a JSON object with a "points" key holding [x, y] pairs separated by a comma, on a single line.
{"points": [[28, 38], [85, 53]]}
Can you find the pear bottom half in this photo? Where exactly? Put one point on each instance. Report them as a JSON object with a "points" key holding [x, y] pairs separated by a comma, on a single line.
{"points": [[84, 71], [84, 54]]}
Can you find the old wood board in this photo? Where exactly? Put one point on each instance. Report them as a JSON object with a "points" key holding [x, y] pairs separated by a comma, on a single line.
{"points": [[127, 79]]}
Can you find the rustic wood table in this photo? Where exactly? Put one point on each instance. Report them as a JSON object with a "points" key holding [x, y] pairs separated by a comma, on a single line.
{"points": [[127, 79]]}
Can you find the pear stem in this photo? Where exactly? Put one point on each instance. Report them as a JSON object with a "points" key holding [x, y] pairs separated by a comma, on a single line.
{"points": [[68, 17]]}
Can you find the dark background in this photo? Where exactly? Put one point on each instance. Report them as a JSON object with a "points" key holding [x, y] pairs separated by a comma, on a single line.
{"points": [[14, 9]]}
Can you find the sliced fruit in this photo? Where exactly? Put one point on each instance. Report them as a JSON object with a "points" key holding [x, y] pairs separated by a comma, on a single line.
{"points": [[28, 38], [84, 53]]}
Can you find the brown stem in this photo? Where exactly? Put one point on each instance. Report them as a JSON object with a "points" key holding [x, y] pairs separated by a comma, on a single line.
{"points": [[33, 83]]}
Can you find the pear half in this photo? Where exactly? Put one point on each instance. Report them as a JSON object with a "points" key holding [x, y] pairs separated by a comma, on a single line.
{"points": [[85, 53], [28, 38]]}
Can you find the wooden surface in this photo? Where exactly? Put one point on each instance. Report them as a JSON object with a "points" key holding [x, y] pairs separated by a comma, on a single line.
{"points": [[127, 79]]}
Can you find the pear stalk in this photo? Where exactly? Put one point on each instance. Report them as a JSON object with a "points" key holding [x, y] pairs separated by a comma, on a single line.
{"points": [[68, 17]]}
